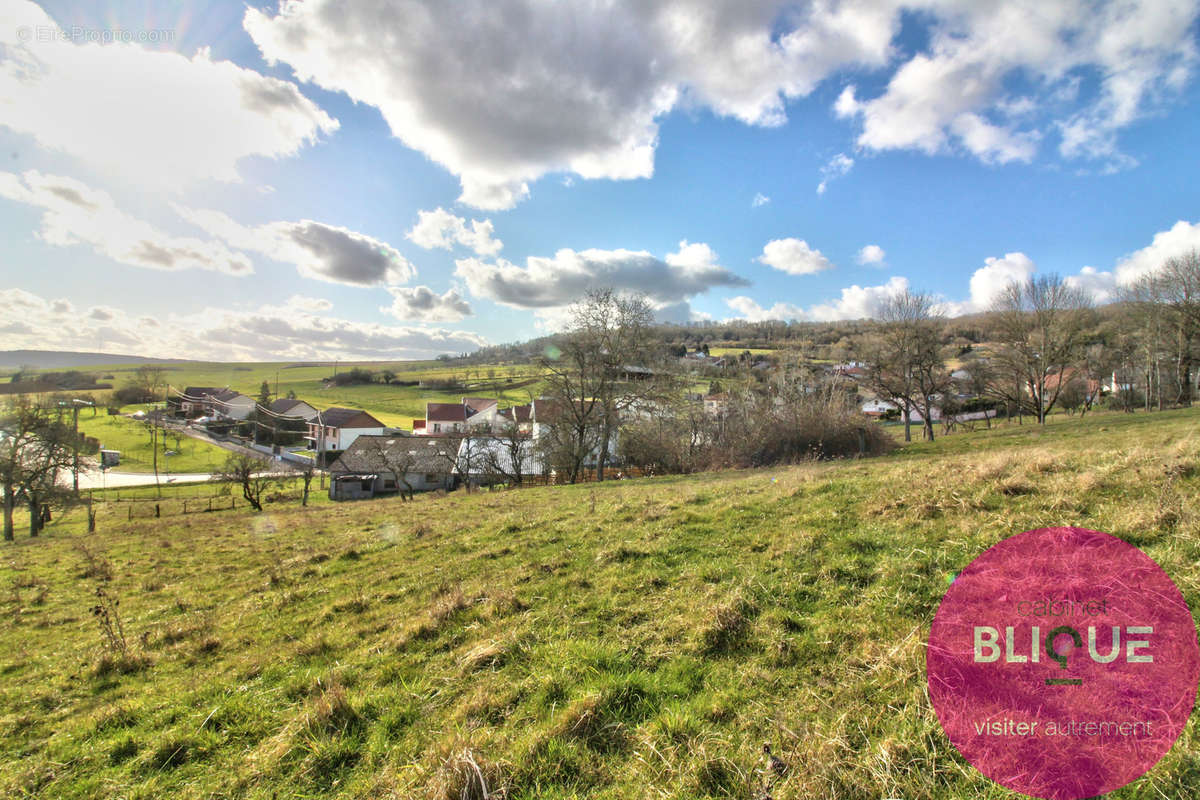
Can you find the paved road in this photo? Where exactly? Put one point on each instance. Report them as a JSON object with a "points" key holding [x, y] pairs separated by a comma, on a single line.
{"points": [[95, 479]]}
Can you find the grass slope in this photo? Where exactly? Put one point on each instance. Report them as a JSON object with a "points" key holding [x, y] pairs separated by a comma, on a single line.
{"points": [[625, 640]]}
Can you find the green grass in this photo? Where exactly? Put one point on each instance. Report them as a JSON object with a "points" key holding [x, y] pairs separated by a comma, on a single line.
{"points": [[623, 640], [133, 440]]}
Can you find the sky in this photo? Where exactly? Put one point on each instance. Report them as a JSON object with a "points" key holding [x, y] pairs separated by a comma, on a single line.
{"points": [[392, 180]]}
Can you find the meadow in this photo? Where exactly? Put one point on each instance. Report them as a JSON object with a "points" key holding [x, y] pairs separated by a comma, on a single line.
{"points": [[631, 639], [132, 438], [392, 404]]}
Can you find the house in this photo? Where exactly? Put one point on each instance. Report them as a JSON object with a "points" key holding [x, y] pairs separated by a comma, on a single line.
{"points": [[225, 403], [521, 416], [472, 414], [489, 459], [444, 418], [196, 400], [336, 428], [480, 412], [716, 404], [381, 465], [291, 407]]}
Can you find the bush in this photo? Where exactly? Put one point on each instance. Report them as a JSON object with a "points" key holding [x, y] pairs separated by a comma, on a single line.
{"points": [[130, 395]]}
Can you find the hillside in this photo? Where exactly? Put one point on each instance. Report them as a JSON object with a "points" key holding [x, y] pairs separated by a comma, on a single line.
{"points": [[58, 359], [623, 640]]}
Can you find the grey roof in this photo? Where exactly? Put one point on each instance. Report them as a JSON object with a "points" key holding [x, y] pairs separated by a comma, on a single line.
{"points": [[377, 453]]}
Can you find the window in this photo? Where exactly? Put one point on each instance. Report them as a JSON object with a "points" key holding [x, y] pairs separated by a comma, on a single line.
{"points": [[431, 477], [437, 427]]}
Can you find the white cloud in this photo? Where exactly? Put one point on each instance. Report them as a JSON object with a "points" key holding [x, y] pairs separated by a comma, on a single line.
{"points": [[990, 280], [151, 118], [960, 92], [793, 256], [76, 214], [760, 199], [270, 333], [838, 166], [439, 228], [1100, 286], [422, 304], [501, 94], [872, 254], [855, 302], [309, 304], [1177, 240], [550, 282], [318, 250]]}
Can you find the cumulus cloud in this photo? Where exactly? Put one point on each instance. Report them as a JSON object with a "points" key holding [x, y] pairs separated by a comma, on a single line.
{"points": [[990, 280], [318, 250], [1100, 286], [854, 302], [501, 94], [794, 257], [960, 91], [76, 214], [871, 254], [561, 280], [1175, 241], [270, 333], [422, 304], [439, 228], [838, 166], [174, 119], [760, 199]]}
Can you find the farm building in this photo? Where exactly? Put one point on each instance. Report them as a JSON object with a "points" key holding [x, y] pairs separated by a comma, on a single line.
{"points": [[376, 466]]}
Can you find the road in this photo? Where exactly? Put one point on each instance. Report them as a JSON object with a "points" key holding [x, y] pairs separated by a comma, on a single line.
{"points": [[95, 479]]}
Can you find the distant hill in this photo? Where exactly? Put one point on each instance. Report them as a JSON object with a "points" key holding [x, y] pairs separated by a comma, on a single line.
{"points": [[56, 359]]}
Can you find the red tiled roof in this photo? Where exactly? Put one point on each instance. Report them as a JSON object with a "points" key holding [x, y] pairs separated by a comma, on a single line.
{"points": [[445, 412]]}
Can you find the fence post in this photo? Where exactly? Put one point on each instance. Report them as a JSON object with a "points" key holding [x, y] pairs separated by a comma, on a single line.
{"points": [[157, 511], [185, 506], [130, 513]]}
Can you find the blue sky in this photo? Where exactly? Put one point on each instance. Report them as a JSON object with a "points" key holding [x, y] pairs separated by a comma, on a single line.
{"points": [[396, 180]]}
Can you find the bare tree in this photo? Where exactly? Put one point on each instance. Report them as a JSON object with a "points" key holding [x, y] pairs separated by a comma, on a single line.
{"points": [[600, 372], [510, 455], [903, 357], [1171, 295], [251, 473], [1041, 324]]}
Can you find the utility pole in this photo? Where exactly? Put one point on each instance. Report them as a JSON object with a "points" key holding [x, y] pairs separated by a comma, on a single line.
{"points": [[75, 404]]}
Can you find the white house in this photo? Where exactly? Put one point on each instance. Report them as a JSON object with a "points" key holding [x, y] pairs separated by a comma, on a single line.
{"points": [[291, 407], [337, 428]]}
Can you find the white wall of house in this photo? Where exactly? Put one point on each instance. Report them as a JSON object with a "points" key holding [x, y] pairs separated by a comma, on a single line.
{"points": [[239, 407], [346, 436]]}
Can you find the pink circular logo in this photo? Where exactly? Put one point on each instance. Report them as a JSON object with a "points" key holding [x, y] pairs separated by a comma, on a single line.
{"points": [[1063, 663]]}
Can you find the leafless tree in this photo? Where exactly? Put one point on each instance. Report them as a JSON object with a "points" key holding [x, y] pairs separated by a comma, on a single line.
{"points": [[251, 473], [903, 357], [1172, 295], [1041, 324], [511, 454], [591, 380]]}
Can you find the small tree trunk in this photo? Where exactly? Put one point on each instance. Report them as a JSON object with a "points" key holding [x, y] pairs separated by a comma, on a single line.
{"points": [[907, 422], [9, 502]]}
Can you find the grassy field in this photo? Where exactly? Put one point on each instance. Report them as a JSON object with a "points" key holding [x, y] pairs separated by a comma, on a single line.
{"points": [[633, 639], [131, 438], [392, 404]]}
